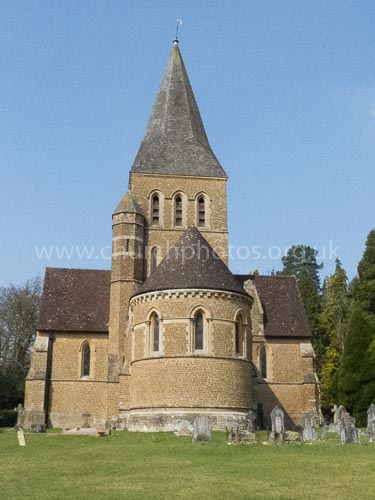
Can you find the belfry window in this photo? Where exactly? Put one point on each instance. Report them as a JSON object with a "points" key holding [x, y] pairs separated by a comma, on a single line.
{"points": [[178, 211], [155, 209], [198, 331], [238, 336], [86, 355], [263, 362], [201, 212], [155, 332], [154, 259]]}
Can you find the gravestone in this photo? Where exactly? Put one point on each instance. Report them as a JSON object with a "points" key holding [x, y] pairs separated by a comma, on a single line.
{"points": [[21, 437], [331, 427], [349, 434], [277, 421], [85, 417], [250, 421], [202, 428], [183, 428], [371, 423], [20, 416], [339, 419], [324, 431], [309, 431]]}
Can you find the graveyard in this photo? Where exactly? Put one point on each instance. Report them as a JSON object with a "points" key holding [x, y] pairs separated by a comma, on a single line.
{"points": [[162, 465]]}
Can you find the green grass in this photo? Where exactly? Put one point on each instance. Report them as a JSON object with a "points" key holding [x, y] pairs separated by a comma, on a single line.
{"points": [[134, 465]]}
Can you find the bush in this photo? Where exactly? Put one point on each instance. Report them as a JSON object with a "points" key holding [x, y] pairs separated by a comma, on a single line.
{"points": [[8, 418]]}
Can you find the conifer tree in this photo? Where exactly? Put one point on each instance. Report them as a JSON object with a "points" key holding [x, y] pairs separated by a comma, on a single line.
{"points": [[356, 376], [335, 305], [301, 262]]}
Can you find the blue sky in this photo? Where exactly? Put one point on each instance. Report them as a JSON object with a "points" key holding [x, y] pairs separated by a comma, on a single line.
{"points": [[286, 90]]}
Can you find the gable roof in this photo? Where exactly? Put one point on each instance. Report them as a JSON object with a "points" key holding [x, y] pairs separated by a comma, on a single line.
{"points": [[175, 141], [75, 300], [284, 312], [191, 263]]}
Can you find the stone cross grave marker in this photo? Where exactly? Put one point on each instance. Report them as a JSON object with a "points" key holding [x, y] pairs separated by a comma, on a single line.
{"points": [[202, 428], [371, 423]]}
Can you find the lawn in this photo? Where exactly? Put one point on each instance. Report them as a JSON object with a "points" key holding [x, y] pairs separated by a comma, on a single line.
{"points": [[134, 465]]}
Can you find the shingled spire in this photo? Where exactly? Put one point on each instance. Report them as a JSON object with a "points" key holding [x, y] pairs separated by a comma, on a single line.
{"points": [[175, 141]]}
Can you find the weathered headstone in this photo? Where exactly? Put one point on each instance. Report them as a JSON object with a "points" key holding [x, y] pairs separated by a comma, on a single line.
{"points": [[202, 428], [323, 431], [331, 427], [371, 423], [85, 417], [21, 437], [339, 419], [309, 431], [349, 434], [183, 428], [277, 422], [250, 421], [20, 416]]}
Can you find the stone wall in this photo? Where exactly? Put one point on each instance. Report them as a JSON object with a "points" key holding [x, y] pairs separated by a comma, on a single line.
{"points": [[165, 234], [178, 377]]}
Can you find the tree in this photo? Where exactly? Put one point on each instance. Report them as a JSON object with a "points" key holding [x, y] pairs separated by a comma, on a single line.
{"points": [[19, 310], [356, 375], [300, 261], [333, 318]]}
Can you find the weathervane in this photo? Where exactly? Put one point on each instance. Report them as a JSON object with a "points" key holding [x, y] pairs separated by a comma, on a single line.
{"points": [[179, 22]]}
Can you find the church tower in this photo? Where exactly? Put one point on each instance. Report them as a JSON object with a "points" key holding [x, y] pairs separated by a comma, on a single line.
{"points": [[175, 182], [176, 178]]}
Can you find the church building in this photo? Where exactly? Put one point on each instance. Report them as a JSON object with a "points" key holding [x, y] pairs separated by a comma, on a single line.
{"points": [[170, 332]]}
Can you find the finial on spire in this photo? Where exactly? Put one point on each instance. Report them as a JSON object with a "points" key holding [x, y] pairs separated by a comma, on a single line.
{"points": [[175, 41]]}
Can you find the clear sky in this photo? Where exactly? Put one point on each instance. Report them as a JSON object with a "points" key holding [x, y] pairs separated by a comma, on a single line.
{"points": [[286, 90]]}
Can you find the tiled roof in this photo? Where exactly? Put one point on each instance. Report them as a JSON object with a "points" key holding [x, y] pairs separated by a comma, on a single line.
{"points": [[284, 312], [128, 204], [191, 263], [175, 141], [75, 300]]}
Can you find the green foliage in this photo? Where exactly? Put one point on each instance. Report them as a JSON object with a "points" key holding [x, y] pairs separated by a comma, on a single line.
{"points": [[301, 262], [8, 418], [335, 306], [356, 375], [19, 310]]}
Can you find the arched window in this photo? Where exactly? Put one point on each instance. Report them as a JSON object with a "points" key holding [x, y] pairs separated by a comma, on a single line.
{"points": [[155, 209], [154, 259], [238, 336], [198, 331], [155, 332], [86, 355], [263, 362], [178, 211], [201, 211]]}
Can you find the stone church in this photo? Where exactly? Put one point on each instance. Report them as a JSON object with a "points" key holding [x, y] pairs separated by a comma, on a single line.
{"points": [[170, 332]]}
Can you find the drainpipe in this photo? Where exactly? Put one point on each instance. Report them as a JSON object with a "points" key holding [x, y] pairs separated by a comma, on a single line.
{"points": [[47, 391]]}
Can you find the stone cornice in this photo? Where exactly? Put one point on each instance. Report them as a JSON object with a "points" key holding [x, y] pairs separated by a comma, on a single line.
{"points": [[188, 293]]}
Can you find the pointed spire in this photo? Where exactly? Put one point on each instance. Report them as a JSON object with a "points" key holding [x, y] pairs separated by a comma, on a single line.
{"points": [[128, 204], [175, 141], [191, 264]]}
